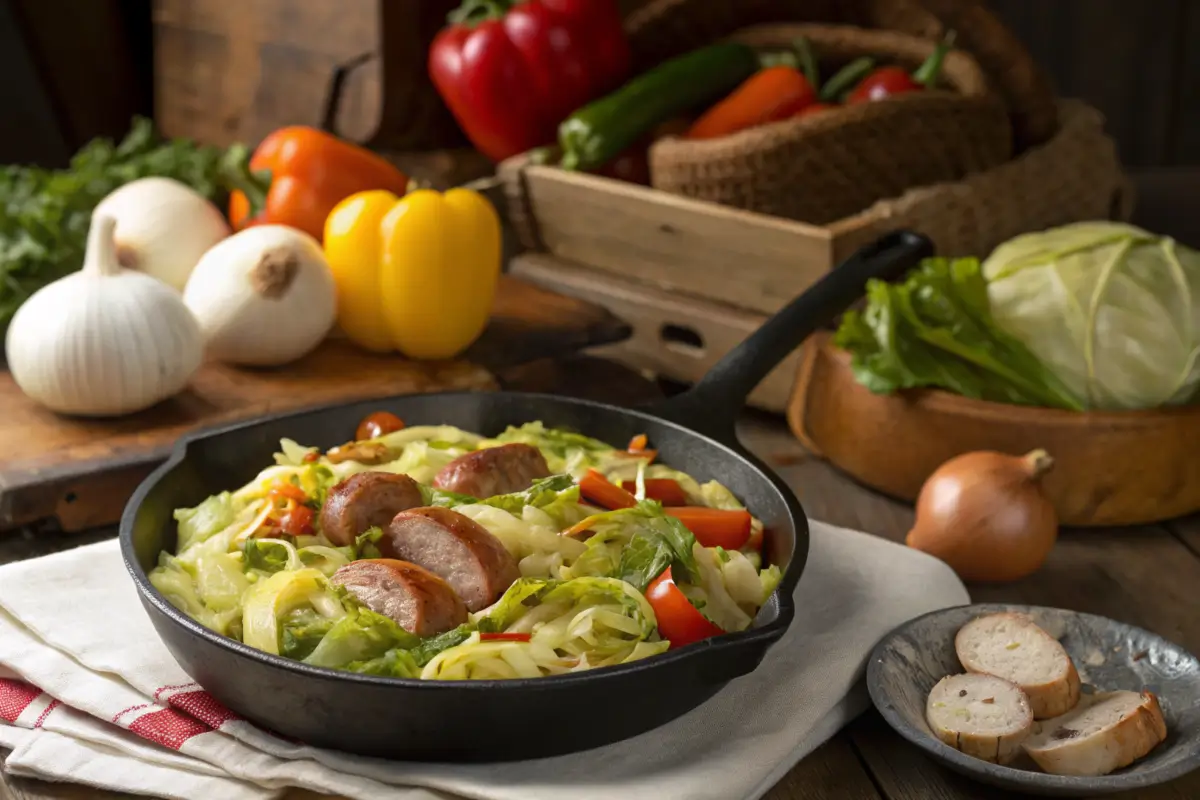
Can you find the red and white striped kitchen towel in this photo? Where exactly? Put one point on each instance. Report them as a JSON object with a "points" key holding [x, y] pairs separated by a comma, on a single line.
{"points": [[89, 694]]}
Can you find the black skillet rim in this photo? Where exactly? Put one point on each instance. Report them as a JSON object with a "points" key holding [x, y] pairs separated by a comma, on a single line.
{"points": [[767, 633]]}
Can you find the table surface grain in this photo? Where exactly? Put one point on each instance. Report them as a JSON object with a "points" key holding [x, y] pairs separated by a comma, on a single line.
{"points": [[1144, 575]]}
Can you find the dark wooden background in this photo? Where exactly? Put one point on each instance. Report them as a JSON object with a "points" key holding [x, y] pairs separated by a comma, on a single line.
{"points": [[73, 69]]}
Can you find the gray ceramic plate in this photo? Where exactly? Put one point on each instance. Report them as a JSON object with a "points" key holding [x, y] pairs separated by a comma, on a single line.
{"points": [[1109, 655]]}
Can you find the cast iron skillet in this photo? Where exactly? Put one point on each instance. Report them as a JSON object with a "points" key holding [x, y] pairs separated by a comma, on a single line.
{"points": [[498, 720]]}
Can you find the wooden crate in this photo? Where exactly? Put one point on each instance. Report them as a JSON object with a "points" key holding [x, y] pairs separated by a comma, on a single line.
{"points": [[682, 246], [673, 336], [693, 278]]}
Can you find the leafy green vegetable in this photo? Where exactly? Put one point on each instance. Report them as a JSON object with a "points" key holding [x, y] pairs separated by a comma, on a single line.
{"points": [[636, 545], [935, 329], [541, 494], [198, 524], [565, 451], [364, 543], [301, 632], [395, 663], [424, 652], [45, 214], [267, 555], [1113, 309], [360, 635]]}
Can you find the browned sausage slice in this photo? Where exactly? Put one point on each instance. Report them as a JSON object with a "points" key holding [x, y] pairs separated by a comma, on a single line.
{"points": [[455, 547], [415, 598], [494, 470], [366, 500]]}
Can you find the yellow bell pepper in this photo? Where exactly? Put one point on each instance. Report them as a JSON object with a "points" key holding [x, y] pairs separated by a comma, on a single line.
{"points": [[416, 273]]}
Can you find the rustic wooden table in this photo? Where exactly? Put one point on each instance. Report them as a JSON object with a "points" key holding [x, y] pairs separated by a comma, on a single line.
{"points": [[1145, 575]]}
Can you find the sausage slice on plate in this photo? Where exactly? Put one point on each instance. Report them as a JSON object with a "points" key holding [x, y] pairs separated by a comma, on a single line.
{"points": [[494, 470], [364, 501], [415, 598], [455, 547]]}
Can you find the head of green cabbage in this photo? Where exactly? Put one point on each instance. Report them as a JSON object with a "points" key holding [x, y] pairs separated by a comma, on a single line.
{"points": [[1112, 309]]}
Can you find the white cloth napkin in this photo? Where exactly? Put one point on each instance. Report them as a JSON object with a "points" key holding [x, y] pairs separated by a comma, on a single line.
{"points": [[92, 696]]}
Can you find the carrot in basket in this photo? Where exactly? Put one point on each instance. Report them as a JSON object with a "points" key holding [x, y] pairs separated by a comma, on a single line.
{"points": [[769, 95]]}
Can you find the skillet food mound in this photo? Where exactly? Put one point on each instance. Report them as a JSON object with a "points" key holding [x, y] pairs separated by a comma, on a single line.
{"points": [[432, 552]]}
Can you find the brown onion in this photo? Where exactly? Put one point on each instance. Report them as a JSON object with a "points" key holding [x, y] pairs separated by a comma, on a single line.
{"points": [[985, 515]]}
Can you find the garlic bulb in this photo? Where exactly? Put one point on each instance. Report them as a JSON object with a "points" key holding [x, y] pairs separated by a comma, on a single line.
{"points": [[103, 341], [264, 297], [163, 227]]}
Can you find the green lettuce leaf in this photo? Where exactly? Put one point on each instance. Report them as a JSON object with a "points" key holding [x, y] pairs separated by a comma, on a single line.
{"points": [[935, 329]]}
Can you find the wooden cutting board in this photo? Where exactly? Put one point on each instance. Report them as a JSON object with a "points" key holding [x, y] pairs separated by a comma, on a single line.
{"points": [[82, 471]]}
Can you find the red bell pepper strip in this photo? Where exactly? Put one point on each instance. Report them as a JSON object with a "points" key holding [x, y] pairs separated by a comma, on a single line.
{"points": [[600, 491], [715, 527], [505, 637], [679, 621], [664, 490], [510, 72]]}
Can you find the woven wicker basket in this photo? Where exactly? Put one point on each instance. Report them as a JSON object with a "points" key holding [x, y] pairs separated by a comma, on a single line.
{"points": [[661, 29], [1075, 176], [822, 168]]}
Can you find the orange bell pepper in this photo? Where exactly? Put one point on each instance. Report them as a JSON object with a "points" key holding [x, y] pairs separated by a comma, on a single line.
{"points": [[298, 174]]}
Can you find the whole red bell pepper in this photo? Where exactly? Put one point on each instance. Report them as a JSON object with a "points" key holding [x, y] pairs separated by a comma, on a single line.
{"points": [[510, 72]]}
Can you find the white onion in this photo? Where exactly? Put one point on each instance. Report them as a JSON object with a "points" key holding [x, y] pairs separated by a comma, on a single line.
{"points": [[103, 341], [263, 297], [163, 227]]}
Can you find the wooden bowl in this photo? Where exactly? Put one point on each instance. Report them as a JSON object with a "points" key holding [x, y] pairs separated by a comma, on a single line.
{"points": [[1111, 468]]}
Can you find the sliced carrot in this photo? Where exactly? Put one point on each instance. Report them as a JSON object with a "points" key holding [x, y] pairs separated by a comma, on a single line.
{"points": [[638, 443], [715, 527], [598, 490], [664, 490]]}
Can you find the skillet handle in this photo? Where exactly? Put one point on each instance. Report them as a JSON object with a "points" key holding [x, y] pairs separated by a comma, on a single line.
{"points": [[711, 407]]}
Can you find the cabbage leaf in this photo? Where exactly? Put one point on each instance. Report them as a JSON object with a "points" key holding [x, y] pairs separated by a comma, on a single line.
{"points": [[935, 329]]}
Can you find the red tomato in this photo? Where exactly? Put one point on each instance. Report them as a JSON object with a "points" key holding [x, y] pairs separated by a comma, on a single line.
{"points": [[297, 521], [505, 637], [378, 424], [679, 621], [883, 82]]}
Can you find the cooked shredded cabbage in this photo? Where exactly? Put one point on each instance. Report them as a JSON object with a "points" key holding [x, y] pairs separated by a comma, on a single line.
{"points": [[579, 602]]}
